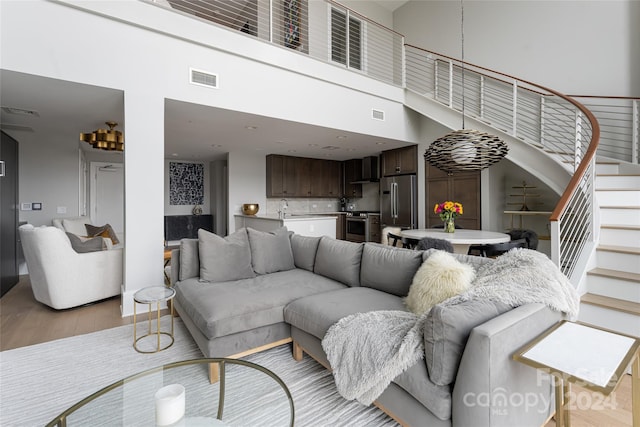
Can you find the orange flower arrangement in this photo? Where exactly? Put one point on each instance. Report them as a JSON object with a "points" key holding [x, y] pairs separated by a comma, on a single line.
{"points": [[448, 212]]}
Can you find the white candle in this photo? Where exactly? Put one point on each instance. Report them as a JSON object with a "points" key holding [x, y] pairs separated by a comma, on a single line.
{"points": [[170, 403]]}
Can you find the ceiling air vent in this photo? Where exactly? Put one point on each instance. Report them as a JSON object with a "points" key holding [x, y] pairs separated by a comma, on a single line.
{"points": [[377, 114], [20, 111], [203, 78]]}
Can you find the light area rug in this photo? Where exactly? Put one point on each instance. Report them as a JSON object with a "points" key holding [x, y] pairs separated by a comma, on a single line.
{"points": [[39, 382]]}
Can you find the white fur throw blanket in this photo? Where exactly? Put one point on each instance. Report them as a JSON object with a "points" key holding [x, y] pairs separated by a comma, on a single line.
{"points": [[368, 350]]}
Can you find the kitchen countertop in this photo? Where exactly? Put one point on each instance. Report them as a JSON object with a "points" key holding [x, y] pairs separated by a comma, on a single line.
{"points": [[293, 217]]}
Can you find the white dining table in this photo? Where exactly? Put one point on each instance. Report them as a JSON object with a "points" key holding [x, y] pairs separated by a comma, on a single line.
{"points": [[461, 239]]}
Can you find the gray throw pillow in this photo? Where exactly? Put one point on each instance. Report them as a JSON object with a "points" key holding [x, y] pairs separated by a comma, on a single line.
{"points": [[224, 259], [189, 259], [339, 260], [389, 269], [270, 252], [81, 246], [304, 250], [474, 261], [447, 330]]}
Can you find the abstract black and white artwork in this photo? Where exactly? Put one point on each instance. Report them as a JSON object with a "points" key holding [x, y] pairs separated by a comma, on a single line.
{"points": [[186, 183]]}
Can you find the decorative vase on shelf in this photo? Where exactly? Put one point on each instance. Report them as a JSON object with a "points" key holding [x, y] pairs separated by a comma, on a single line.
{"points": [[450, 226]]}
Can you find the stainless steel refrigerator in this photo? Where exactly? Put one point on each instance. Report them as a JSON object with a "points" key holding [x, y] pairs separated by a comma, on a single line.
{"points": [[399, 201]]}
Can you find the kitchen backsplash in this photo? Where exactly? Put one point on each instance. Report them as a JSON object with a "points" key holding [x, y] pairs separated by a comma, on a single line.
{"points": [[370, 201], [300, 206]]}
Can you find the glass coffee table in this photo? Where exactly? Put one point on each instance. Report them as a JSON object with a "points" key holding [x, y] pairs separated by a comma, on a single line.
{"points": [[247, 394]]}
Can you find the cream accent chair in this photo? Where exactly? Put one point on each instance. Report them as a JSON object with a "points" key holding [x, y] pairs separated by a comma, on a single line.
{"points": [[62, 278]]}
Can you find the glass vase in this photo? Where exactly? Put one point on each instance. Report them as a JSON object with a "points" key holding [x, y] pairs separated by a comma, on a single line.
{"points": [[449, 226]]}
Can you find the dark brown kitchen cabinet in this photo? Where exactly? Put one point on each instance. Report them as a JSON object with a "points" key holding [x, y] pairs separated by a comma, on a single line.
{"points": [[289, 176], [302, 176], [400, 161], [352, 172], [326, 178], [341, 227], [281, 176], [462, 187], [374, 229]]}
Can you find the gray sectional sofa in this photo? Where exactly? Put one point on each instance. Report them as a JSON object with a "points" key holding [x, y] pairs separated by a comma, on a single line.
{"points": [[254, 290]]}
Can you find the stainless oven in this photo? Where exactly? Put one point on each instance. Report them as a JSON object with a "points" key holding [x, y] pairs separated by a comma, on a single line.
{"points": [[357, 228]]}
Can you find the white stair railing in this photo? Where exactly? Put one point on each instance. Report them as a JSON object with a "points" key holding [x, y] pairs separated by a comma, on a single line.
{"points": [[619, 119], [539, 116]]}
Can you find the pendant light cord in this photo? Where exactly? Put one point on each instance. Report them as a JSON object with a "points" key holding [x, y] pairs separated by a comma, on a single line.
{"points": [[462, 53]]}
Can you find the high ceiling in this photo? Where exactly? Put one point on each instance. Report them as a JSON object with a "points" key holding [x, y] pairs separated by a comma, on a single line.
{"points": [[41, 108]]}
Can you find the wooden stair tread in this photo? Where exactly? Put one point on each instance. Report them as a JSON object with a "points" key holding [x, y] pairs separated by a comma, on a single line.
{"points": [[619, 207], [624, 306], [620, 226], [619, 249], [615, 274]]}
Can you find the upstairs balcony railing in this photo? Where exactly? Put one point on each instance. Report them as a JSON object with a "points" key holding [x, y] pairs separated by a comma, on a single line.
{"points": [[323, 30], [546, 119]]}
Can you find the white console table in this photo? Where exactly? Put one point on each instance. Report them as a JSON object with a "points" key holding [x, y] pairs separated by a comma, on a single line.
{"points": [[594, 358]]}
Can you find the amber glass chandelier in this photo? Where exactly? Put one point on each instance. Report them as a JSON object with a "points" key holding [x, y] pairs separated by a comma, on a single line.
{"points": [[465, 150], [105, 139]]}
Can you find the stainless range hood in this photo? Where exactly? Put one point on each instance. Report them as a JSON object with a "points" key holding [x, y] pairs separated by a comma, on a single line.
{"points": [[369, 171]]}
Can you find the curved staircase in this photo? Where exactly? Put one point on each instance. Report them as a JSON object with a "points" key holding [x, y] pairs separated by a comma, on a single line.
{"points": [[612, 299]]}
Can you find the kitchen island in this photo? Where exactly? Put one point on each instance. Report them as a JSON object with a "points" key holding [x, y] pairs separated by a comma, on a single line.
{"points": [[304, 224]]}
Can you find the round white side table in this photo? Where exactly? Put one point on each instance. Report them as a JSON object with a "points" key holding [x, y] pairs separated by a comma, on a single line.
{"points": [[151, 295]]}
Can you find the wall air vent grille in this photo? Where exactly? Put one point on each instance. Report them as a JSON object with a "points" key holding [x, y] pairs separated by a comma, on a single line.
{"points": [[203, 78], [377, 114]]}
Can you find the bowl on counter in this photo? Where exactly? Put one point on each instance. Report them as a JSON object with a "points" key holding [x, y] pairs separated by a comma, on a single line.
{"points": [[250, 208]]}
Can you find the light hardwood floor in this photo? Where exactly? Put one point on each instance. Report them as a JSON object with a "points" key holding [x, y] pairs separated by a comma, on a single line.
{"points": [[24, 321]]}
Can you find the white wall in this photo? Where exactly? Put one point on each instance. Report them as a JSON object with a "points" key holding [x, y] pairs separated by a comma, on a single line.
{"points": [[247, 183], [187, 209], [575, 47], [53, 179], [371, 10], [144, 193]]}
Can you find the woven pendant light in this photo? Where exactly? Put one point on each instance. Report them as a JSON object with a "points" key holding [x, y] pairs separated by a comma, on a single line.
{"points": [[465, 150]]}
